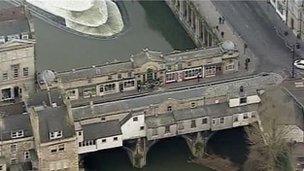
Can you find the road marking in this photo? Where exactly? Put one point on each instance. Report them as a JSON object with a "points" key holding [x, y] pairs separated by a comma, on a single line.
{"points": [[299, 84]]}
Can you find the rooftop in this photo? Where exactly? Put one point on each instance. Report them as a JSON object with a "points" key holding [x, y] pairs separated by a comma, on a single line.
{"points": [[231, 89], [53, 119], [17, 122], [101, 130], [13, 21], [213, 111]]}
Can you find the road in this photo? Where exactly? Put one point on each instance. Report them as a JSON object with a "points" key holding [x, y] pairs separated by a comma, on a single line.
{"points": [[254, 22]]}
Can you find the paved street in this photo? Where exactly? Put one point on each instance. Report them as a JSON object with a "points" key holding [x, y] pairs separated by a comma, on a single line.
{"points": [[251, 20]]}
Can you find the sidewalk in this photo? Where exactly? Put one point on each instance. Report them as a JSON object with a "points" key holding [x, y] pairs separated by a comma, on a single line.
{"points": [[211, 15]]}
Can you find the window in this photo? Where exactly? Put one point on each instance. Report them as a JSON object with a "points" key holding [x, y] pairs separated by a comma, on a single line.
{"points": [[104, 140], [193, 105], [103, 119], [167, 129], [72, 94], [55, 135], [243, 100], [1, 167], [15, 70], [61, 147], [222, 120], [253, 115], [109, 77], [169, 67], [142, 128], [210, 70], [236, 119], [26, 155], [17, 134], [129, 74], [13, 148], [169, 108], [5, 76], [129, 83], [79, 133], [245, 116], [115, 139], [6, 93], [189, 63], [119, 76], [193, 72], [193, 124], [109, 87], [88, 92], [170, 77], [205, 121], [53, 150], [230, 66], [25, 71], [135, 119], [101, 89], [213, 121]]}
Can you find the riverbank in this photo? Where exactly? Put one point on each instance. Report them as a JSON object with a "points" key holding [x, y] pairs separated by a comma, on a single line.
{"points": [[216, 163]]}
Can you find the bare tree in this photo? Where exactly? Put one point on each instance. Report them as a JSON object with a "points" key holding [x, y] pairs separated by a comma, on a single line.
{"points": [[269, 147]]}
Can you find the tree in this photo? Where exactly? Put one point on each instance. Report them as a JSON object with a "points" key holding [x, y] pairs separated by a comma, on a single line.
{"points": [[269, 150]]}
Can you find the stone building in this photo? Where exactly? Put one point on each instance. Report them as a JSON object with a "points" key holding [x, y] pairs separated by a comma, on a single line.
{"points": [[145, 70], [17, 69], [295, 17], [193, 22], [55, 138], [17, 141], [291, 12], [281, 8]]}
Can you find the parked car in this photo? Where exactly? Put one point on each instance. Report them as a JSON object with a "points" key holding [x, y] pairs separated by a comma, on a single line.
{"points": [[299, 64]]}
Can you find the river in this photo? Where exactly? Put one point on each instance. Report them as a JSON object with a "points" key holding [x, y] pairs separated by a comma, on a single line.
{"points": [[151, 24]]}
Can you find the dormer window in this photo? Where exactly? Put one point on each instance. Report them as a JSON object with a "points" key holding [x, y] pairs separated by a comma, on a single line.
{"points": [[17, 134], [55, 135]]}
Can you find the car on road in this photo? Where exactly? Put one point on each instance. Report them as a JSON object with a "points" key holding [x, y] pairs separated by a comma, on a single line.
{"points": [[299, 63]]}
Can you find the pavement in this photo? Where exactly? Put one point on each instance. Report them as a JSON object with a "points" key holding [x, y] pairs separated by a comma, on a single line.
{"points": [[211, 16], [255, 22]]}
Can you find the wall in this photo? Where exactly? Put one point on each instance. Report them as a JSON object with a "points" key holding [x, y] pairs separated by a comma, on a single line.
{"points": [[67, 158], [110, 142], [131, 129], [22, 145], [24, 56]]}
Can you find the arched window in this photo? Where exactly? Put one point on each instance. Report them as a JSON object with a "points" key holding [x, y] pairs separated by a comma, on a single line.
{"points": [[150, 74]]}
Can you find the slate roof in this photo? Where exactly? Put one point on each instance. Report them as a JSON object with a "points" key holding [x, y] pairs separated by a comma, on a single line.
{"points": [[135, 61], [101, 130], [12, 20], [213, 111], [13, 108], [54, 119], [91, 72], [230, 89], [15, 123], [40, 98]]}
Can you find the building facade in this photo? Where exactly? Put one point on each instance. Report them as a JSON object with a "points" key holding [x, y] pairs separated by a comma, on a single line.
{"points": [[146, 70], [55, 138], [17, 140], [281, 7], [295, 17], [194, 23], [17, 69]]}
